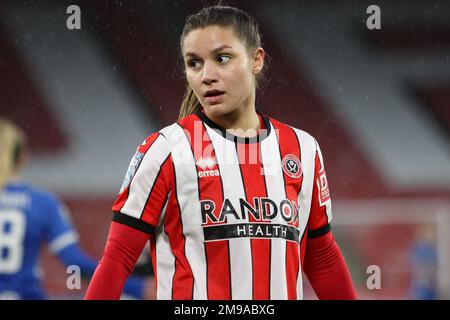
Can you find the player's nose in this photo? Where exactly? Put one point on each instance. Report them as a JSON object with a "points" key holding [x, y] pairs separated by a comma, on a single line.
{"points": [[209, 73]]}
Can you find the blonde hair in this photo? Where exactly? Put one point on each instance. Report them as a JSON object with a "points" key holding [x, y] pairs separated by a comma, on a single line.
{"points": [[12, 142], [190, 103], [246, 29]]}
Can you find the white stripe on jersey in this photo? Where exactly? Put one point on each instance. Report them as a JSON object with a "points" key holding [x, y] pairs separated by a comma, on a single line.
{"points": [[327, 203], [189, 200], [62, 241], [271, 161], [241, 270], [165, 260], [145, 176], [308, 153]]}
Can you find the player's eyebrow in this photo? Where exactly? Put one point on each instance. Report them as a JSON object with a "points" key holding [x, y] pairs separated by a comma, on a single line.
{"points": [[218, 49]]}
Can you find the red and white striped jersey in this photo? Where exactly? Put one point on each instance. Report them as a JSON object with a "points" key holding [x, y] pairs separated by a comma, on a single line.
{"points": [[228, 216]]}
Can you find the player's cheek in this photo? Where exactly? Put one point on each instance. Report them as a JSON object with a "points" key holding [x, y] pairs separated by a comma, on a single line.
{"points": [[197, 92], [193, 80]]}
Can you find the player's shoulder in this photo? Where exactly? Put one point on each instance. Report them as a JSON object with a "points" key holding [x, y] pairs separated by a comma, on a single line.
{"points": [[37, 196], [44, 196], [170, 134], [156, 140], [185, 123], [303, 136], [162, 139]]}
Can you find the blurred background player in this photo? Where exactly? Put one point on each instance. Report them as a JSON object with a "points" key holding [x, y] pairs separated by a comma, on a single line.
{"points": [[424, 265], [378, 101], [28, 218]]}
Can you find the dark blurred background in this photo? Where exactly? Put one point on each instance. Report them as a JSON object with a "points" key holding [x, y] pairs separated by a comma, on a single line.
{"points": [[377, 101]]}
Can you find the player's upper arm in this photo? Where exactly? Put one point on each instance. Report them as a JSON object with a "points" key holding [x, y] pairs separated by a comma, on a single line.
{"points": [[146, 186], [321, 212]]}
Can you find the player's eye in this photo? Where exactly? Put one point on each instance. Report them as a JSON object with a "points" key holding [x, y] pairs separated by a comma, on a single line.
{"points": [[194, 63], [223, 58]]}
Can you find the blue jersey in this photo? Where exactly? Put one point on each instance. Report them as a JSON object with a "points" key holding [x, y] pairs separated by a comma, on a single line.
{"points": [[28, 219]]}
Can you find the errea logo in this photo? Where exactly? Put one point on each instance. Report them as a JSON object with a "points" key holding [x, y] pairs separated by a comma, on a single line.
{"points": [[206, 163], [206, 167]]}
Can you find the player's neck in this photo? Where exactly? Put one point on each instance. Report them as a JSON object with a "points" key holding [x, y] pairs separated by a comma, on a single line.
{"points": [[242, 122]]}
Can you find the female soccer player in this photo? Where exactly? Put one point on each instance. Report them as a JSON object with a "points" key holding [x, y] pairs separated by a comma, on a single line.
{"points": [[235, 204], [29, 218]]}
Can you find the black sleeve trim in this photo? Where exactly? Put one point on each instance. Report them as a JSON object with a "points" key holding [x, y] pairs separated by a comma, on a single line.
{"points": [[319, 232], [133, 222]]}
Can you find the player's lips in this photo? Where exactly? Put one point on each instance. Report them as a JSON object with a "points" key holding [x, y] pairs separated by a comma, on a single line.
{"points": [[213, 96]]}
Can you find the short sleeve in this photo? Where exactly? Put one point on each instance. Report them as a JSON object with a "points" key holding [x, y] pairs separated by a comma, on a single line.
{"points": [[321, 212], [58, 226], [146, 186]]}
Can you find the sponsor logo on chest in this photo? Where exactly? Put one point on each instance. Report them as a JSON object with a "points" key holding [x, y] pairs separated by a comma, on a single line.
{"points": [[263, 211], [207, 167]]}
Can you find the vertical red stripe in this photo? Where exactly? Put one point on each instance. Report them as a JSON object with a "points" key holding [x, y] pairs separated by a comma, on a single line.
{"points": [[254, 186], [158, 194], [288, 144], [121, 199], [210, 188], [303, 247], [154, 261], [183, 279]]}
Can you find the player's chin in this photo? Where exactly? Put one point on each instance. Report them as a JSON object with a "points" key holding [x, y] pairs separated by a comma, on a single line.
{"points": [[217, 110]]}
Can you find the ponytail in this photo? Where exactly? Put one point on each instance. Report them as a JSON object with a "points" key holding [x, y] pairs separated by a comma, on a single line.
{"points": [[190, 103]]}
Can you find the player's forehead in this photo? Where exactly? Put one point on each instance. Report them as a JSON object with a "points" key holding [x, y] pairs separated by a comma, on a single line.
{"points": [[204, 41]]}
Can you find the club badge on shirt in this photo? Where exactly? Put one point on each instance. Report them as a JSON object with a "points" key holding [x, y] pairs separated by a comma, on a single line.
{"points": [[292, 166]]}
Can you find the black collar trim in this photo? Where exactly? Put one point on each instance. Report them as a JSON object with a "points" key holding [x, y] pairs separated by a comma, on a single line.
{"points": [[264, 133]]}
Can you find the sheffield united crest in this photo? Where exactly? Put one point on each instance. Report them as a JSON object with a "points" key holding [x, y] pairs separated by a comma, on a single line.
{"points": [[292, 166]]}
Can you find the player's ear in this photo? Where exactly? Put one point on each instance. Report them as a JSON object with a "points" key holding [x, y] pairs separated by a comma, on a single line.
{"points": [[258, 60]]}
